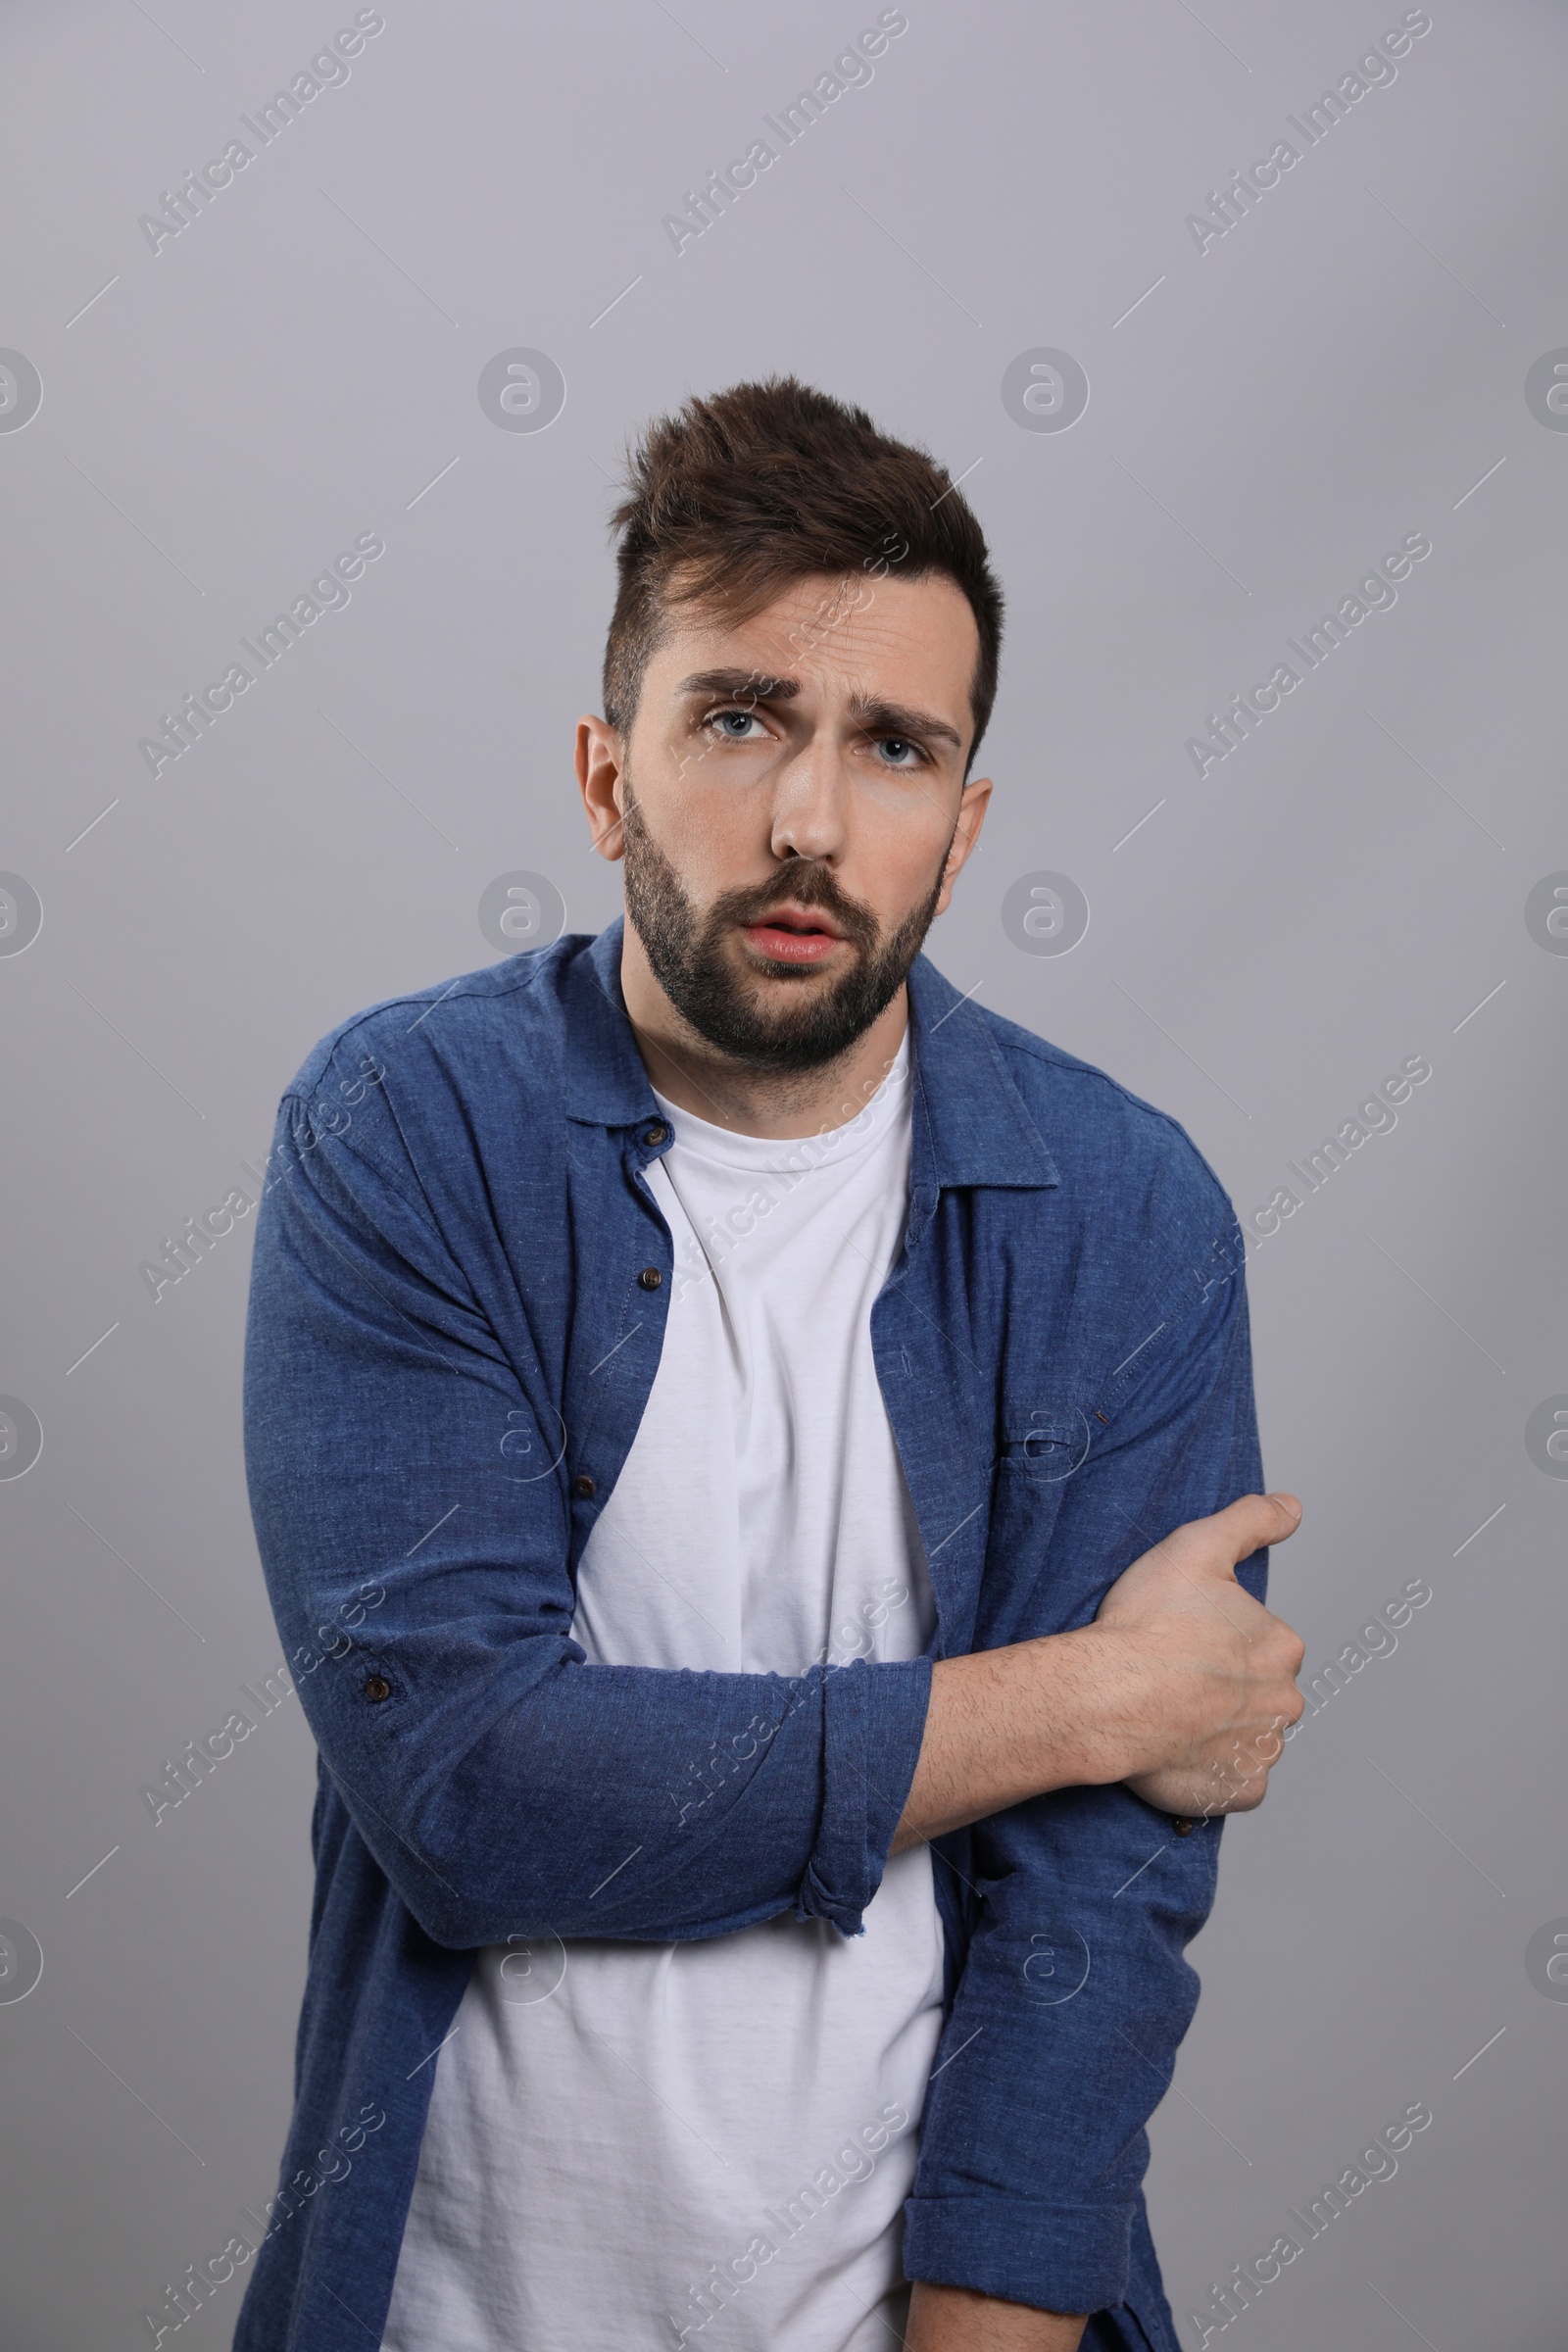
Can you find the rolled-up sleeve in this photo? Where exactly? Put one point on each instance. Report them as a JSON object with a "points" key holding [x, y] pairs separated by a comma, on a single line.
{"points": [[504, 1784], [1075, 1993]]}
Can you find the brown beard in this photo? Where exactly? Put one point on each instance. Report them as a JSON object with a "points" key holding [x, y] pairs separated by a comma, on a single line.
{"points": [[687, 955]]}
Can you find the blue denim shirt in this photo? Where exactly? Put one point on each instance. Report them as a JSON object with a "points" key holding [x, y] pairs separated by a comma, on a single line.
{"points": [[454, 1327]]}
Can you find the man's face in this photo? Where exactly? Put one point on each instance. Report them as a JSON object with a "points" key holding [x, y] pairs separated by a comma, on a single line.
{"points": [[791, 808]]}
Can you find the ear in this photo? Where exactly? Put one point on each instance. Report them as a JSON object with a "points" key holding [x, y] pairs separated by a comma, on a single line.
{"points": [[600, 764], [971, 817]]}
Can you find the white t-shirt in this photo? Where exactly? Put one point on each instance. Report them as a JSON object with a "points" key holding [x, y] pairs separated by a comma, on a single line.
{"points": [[709, 2143]]}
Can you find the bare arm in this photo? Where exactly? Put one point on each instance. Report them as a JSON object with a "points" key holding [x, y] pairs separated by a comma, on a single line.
{"points": [[954, 2319], [1181, 1674]]}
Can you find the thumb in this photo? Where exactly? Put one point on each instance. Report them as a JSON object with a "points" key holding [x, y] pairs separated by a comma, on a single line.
{"points": [[1254, 1521]]}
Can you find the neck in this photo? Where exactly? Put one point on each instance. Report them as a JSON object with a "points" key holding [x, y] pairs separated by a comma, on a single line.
{"points": [[711, 1085]]}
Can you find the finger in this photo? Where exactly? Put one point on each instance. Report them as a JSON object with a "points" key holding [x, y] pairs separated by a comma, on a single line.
{"points": [[1253, 1522]]}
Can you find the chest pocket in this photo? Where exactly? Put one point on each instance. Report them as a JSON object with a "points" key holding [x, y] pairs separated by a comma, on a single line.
{"points": [[1044, 1444], [1043, 1439]]}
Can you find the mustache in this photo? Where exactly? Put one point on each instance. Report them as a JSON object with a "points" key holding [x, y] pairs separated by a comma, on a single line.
{"points": [[806, 885]]}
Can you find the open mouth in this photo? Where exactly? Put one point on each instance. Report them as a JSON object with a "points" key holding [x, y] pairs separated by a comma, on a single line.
{"points": [[796, 935]]}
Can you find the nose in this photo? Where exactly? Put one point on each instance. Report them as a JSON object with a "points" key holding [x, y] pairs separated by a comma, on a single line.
{"points": [[809, 803]]}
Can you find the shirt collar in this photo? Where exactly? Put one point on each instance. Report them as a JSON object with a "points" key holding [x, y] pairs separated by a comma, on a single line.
{"points": [[976, 1125], [979, 1128], [607, 1085]]}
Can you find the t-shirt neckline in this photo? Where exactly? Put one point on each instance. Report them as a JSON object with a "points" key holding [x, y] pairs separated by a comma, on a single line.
{"points": [[760, 1153]]}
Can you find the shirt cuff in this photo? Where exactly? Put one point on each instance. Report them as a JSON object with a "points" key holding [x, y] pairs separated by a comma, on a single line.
{"points": [[1066, 2258], [873, 1720]]}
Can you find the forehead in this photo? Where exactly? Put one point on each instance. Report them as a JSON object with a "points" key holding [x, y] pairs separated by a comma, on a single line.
{"points": [[834, 634]]}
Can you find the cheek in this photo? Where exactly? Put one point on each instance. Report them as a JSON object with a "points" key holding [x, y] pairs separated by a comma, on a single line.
{"points": [[718, 836], [708, 810], [898, 834]]}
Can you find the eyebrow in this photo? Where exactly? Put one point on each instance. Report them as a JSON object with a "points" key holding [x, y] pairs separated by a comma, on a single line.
{"points": [[897, 718], [873, 716], [739, 682]]}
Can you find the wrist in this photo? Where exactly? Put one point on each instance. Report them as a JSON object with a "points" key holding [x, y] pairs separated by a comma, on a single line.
{"points": [[1090, 1705], [1061, 1711], [957, 2318]]}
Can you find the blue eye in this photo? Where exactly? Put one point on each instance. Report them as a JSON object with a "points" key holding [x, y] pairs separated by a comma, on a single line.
{"points": [[736, 733]]}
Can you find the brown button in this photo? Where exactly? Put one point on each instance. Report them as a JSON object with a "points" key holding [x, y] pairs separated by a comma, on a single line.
{"points": [[377, 1688], [650, 1278], [1183, 1829], [583, 1485], [655, 1135]]}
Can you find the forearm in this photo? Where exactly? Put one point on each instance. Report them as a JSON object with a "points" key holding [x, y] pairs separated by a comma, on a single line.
{"points": [[954, 2319], [1004, 1725]]}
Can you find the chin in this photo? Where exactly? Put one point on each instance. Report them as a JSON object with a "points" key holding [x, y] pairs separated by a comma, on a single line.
{"points": [[763, 967]]}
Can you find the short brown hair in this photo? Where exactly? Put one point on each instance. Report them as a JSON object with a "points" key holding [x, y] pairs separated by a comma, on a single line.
{"points": [[736, 495]]}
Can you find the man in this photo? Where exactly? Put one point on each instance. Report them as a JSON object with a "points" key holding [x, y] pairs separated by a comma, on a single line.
{"points": [[750, 1453]]}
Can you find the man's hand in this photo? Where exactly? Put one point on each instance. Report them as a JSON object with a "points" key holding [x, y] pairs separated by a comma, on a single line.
{"points": [[1181, 1687], [1215, 1670], [954, 2319]]}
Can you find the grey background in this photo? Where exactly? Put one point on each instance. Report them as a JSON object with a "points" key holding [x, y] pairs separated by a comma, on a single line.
{"points": [[294, 370]]}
